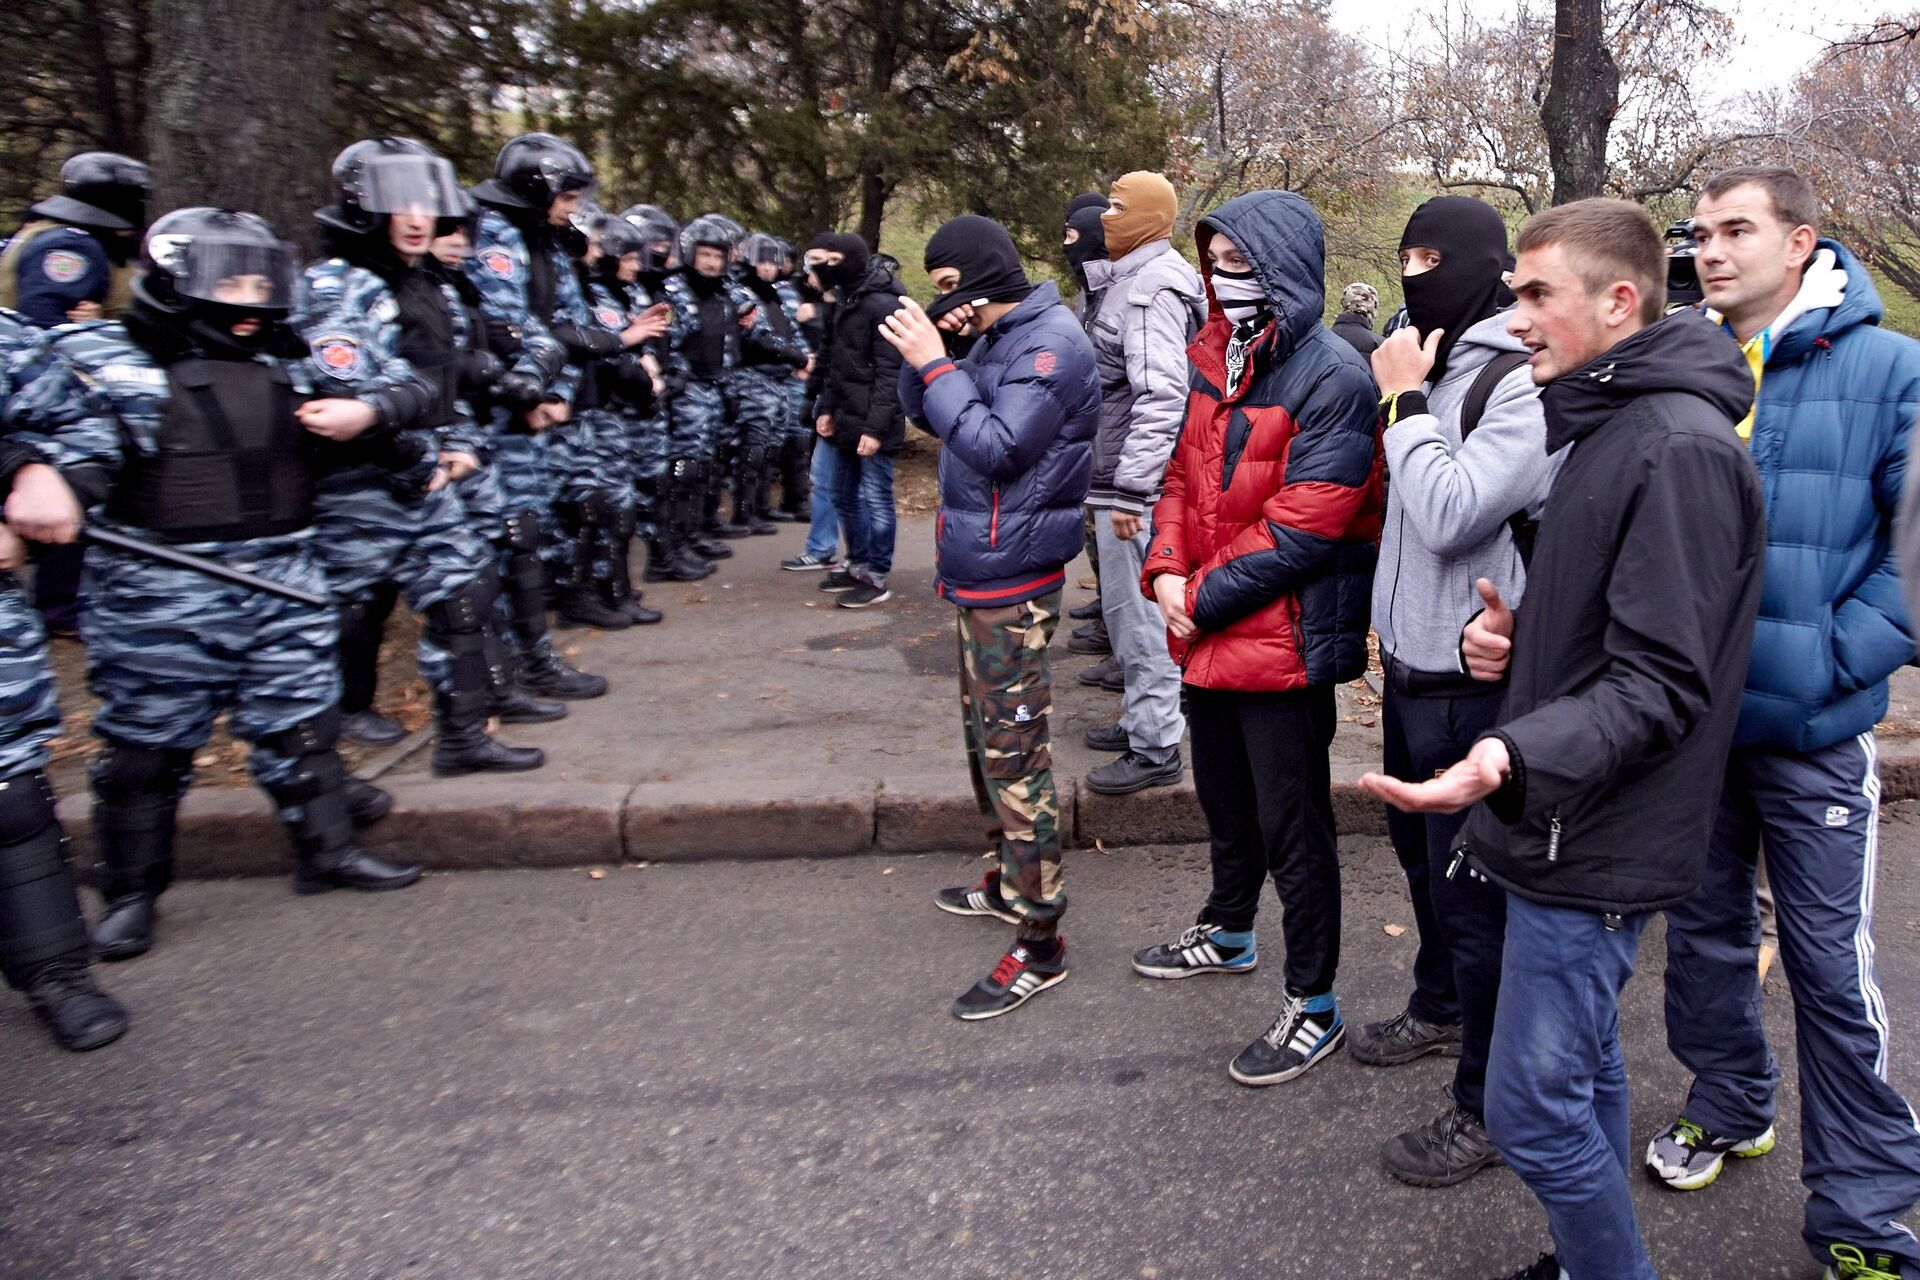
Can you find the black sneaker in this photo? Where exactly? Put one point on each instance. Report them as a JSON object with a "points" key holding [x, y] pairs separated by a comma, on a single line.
{"points": [[1451, 1149], [1306, 1031], [1402, 1038], [840, 579], [804, 563], [864, 595], [1201, 949], [1105, 674], [1687, 1157], [1098, 643], [1134, 772], [1087, 612], [982, 899], [79, 1014], [1015, 980], [1089, 629], [1546, 1268], [1105, 737]]}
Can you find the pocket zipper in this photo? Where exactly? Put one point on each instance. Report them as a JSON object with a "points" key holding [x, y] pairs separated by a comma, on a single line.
{"points": [[993, 527], [1553, 837]]}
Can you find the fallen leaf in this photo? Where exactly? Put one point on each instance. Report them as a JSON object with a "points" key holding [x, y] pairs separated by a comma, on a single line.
{"points": [[886, 871], [1098, 847], [596, 874], [1395, 930]]}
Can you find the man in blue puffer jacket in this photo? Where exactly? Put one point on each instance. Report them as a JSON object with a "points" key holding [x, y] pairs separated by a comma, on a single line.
{"points": [[1828, 434], [1017, 418]]}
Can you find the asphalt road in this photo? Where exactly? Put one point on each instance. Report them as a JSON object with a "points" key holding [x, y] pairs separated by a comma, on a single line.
{"points": [[748, 1070]]}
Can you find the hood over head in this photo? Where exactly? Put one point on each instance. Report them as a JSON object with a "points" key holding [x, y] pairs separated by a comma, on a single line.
{"points": [[1282, 238]]}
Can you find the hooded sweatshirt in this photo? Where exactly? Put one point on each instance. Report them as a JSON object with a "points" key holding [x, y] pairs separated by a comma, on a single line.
{"points": [[1631, 647]]}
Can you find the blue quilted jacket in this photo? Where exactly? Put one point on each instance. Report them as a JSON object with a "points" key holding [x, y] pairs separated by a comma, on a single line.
{"points": [[1837, 397]]}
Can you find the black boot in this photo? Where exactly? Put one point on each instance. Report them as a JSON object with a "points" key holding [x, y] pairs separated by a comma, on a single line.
{"points": [[79, 1014], [461, 625], [136, 794], [617, 586], [748, 481], [312, 798], [544, 672], [369, 728], [576, 601], [462, 746], [666, 562], [366, 802], [361, 625], [510, 703]]}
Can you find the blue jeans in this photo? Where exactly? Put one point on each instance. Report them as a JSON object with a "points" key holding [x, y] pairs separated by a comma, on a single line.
{"points": [[863, 495], [823, 535], [1557, 1085]]}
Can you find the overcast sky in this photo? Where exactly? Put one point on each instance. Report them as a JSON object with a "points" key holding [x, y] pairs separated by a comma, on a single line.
{"points": [[1775, 37]]}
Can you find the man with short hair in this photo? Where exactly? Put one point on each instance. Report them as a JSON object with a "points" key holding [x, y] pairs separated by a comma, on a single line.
{"points": [[1624, 688], [1836, 397]]}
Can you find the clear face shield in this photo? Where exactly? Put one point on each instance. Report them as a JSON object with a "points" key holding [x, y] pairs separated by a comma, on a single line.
{"points": [[412, 185], [233, 270]]}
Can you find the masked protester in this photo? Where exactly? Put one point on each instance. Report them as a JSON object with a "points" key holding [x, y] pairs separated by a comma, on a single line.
{"points": [[1359, 304], [1467, 452], [536, 184], [192, 424], [1260, 560], [380, 329], [857, 410], [44, 951], [1151, 303], [814, 318], [1084, 241], [1016, 420]]}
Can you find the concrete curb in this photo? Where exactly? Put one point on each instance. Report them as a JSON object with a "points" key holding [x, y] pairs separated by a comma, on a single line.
{"points": [[498, 823]]}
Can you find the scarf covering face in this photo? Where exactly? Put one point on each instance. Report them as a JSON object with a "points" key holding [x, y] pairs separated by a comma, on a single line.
{"points": [[1466, 287], [1148, 216], [989, 265]]}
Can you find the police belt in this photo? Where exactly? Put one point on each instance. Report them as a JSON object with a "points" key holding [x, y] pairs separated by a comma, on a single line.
{"points": [[1410, 682]]}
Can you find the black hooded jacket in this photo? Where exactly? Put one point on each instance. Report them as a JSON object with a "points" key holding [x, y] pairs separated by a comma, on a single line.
{"points": [[1630, 650], [857, 377]]}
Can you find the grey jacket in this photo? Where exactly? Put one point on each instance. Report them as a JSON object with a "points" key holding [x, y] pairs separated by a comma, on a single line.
{"points": [[1448, 504], [1151, 302]]}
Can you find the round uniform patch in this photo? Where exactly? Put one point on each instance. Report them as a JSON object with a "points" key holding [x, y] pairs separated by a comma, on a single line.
{"points": [[63, 267], [500, 262], [337, 356], [608, 317]]}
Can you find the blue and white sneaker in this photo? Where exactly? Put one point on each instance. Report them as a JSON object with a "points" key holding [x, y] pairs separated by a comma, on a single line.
{"points": [[1205, 948], [1307, 1030]]}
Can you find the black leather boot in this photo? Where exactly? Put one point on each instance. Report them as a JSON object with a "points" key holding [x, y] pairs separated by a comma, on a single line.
{"points": [[545, 673], [77, 1012], [462, 746], [366, 802], [136, 794]]}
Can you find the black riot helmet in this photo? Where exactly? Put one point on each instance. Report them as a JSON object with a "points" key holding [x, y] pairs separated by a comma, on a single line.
{"points": [[732, 228], [617, 238], [101, 190], [760, 248], [375, 178], [710, 230], [661, 232], [218, 256], [1683, 273], [533, 170]]}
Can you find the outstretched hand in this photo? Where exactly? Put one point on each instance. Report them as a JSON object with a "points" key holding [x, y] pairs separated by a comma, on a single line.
{"points": [[1471, 780]]}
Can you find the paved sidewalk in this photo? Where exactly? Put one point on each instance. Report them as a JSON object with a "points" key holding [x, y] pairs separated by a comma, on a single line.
{"points": [[760, 720]]}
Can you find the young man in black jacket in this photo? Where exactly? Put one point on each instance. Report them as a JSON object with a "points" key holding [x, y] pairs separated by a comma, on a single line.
{"points": [[857, 409], [1626, 673]]}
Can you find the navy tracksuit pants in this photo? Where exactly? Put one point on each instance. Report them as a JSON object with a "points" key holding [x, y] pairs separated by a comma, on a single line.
{"points": [[1817, 813]]}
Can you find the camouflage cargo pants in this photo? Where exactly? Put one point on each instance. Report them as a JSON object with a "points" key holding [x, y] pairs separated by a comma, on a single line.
{"points": [[29, 718], [1006, 700]]}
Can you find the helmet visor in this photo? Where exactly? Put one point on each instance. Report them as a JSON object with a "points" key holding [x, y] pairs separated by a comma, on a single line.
{"points": [[412, 184], [239, 270]]}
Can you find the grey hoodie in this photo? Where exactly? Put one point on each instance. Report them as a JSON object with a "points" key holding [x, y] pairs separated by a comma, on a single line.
{"points": [[1448, 504]]}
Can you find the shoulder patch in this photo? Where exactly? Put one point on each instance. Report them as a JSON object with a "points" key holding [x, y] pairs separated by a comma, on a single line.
{"points": [[500, 263], [608, 318], [1045, 363], [63, 266], [337, 355]]}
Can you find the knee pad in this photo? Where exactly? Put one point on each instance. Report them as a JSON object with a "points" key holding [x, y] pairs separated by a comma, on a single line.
{"points": [[136, 794], [458, 624], [523, 532], [314, 773], [125, 772], [312, 736], [39, 912]]}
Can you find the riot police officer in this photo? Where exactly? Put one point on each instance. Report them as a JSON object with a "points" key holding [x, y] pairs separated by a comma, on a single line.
{"points": [[764, 386], [189, 424], [73, 260]]}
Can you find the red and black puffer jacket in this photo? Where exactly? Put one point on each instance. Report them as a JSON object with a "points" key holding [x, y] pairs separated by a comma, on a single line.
{"points": [[1273, 501]]}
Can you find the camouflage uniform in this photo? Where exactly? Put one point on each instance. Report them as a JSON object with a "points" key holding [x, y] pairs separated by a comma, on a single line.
{"points": [[1006, 699], [761, 397], [40, 921], [705, 424], [370, 526], [647, 434]]}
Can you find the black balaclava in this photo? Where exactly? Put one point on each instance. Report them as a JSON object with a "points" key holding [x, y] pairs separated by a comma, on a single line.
{"points": [[989, 265], [1092, 244], [1085, 200], [851, 269], [1466, 287]]}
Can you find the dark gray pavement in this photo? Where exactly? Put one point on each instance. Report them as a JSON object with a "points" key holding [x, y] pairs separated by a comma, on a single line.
{"points": [[746, 1069]]}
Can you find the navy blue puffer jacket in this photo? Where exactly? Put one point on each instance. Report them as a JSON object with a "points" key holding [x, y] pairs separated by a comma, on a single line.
{"points": [[1017, 418], [1837, 399]]}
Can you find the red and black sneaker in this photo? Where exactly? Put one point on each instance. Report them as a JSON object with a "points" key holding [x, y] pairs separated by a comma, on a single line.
{"points": [[982, 899], [1018, 977]]}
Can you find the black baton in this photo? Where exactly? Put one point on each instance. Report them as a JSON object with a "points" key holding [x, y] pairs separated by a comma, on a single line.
{"points": [[200, 564]]}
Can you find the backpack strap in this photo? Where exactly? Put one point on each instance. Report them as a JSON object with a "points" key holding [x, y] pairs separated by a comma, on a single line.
{"points": [[1472, 409]]}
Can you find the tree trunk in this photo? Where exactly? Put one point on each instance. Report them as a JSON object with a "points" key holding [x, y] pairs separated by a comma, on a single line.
{"points": [[1583, 95], [873, 204], [242, 99]]}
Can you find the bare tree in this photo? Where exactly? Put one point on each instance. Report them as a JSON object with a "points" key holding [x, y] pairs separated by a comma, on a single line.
{"points": [[1583, 96], [241, 110]]}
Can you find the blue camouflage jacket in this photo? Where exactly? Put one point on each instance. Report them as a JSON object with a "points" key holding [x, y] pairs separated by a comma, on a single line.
{"points": [[499, 269], [686, 321]]}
